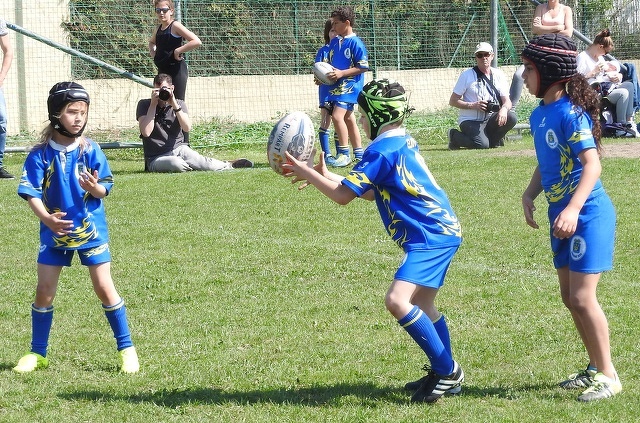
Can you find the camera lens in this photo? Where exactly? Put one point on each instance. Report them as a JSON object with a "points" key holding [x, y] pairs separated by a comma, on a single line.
{"points": [[164, 94]]}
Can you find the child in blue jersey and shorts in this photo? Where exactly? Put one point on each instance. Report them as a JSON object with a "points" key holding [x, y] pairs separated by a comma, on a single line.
{"points": [[417, 215], [566, 135], [323, 94], [64, 179], [350, 61]]}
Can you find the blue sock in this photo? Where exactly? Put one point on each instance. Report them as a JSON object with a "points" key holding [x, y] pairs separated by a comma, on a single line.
{"points": [[343, 150], [592, 367], [443, 333], [357, 153], [419, 326], [41, 320], [117, 317], [323, 136]]}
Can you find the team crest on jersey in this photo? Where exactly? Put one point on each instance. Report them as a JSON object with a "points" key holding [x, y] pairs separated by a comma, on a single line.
{"points": [[551, 138], [347, 53], [578, 247]]}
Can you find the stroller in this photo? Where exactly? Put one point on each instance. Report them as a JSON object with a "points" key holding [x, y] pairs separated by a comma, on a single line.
{"points": [[611, 128]]}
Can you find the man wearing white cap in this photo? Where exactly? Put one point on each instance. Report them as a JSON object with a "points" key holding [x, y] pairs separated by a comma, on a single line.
{"points": [[482, 95]]}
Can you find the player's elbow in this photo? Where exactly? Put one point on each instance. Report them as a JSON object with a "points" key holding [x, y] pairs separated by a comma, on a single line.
{"points": [[343, 196]]}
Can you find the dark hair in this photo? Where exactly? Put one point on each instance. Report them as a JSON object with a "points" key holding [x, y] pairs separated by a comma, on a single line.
{"points": [[582, 95], [604, 38], [327, 28], [161, 77], [344, 13]]}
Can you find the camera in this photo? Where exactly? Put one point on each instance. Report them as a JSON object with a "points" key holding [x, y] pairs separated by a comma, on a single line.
{"points": [[164, 93], [492, 106]]}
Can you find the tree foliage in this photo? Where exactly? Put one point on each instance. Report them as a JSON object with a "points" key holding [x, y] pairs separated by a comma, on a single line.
{"points": [[242, 37]]}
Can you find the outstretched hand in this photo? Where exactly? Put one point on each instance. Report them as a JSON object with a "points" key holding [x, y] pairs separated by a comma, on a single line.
{"points": [[299, 170]]}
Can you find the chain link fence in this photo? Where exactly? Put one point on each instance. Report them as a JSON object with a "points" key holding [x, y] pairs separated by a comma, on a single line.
{"points": [[261, 51]]}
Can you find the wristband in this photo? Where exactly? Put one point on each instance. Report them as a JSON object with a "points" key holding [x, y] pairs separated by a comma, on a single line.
{"points": [[177, 110]]}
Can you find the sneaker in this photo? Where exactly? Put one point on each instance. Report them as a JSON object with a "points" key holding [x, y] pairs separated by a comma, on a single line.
{"points": [[329, 160], [4, 174], [240, 163], [633, 128], [342, 160], [30, 362], [580, 380], [129, 359], [603, 387], [413, 386], [451, 145], [434, 385]]}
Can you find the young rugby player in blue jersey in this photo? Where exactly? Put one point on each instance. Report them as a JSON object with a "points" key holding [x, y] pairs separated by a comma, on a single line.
{"points": [[323, 94], [416, 214], [64, 179], [350, 60], [566, 135]]}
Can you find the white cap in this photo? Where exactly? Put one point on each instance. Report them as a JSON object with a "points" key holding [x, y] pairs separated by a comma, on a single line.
{"points": [[484, 47]]}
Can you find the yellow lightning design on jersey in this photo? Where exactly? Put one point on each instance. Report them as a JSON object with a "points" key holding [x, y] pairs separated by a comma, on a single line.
{"points": [[447, 223], [566, 186]]}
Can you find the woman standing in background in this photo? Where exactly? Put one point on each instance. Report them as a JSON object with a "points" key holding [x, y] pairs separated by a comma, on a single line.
{"points": [[548, 18], [167, 46]]}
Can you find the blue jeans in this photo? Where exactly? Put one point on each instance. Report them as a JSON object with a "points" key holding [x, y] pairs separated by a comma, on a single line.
{"points": [[3, 125]]}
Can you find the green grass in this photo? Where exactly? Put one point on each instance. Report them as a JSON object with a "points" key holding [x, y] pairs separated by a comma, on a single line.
{"points": [[251, 301]]}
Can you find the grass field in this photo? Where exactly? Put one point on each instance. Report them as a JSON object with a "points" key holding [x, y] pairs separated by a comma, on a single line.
{"points": [[251, 301]]}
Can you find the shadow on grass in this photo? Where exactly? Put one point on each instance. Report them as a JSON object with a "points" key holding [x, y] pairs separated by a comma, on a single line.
{"points": [[312, 396]]}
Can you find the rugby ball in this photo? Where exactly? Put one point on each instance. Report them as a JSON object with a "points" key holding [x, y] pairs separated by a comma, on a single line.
{"points": [[293, 133], [320, 70]]}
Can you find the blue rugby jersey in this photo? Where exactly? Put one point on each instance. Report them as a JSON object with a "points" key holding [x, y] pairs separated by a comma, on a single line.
{"points": [[51, 174], [345, 53], [560, 132], [415, 211]]}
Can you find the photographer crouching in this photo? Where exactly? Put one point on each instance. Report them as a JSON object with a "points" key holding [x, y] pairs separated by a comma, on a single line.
{"points": [[163, 121], [482, 95]]}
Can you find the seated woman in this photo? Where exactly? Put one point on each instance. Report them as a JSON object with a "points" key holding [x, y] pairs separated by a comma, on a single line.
{"points": [[592, 64]]}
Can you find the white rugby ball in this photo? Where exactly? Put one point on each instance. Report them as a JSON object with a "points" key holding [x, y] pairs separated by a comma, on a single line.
{"points": [[320, 70], [293, 133]]}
